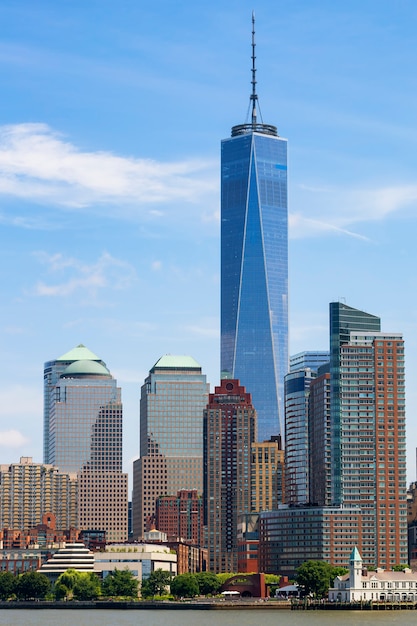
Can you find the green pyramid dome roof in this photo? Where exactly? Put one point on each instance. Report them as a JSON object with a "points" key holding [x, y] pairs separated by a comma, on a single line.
{"points": [[80, 353], [171, 361], [85, 367]]}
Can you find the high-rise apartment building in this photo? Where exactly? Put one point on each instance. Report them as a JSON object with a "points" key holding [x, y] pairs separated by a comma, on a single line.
{"points": [[229, 432], [372, 449], [343, 320], [173, 399], [29, 491], [181, 516], [84, 422], [267, 475], [254, 264], [319, 438], [303, 370], [368, 431]]}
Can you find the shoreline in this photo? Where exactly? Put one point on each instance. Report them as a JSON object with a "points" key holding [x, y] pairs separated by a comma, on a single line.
{"points": [[141, 606]]}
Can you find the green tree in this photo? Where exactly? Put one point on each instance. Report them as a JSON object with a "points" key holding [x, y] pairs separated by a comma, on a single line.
{"points": [[185, 586], [224, 577], [7, 585], [314, 578], [272, 581], [208, 583], [32, 586], [87, 586], [64, 586], [156, 584], [120, 583], [400, 567]]}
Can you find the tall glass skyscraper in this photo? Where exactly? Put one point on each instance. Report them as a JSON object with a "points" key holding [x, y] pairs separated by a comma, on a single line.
{"points": [[173, 399], [254, 265], [83, 432]]}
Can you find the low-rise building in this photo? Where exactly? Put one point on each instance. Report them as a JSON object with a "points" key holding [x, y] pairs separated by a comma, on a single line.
{"points": [[363, 585], [140, 558]]}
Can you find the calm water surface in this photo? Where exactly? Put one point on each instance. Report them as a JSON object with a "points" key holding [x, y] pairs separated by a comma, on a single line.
{"points": [[205, 618]]}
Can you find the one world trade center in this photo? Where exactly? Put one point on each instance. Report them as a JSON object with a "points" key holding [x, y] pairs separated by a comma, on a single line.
{"points": [[254, 263]]}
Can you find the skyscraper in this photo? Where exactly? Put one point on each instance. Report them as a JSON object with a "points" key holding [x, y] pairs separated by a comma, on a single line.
{"points": [[254, 264], [343, 319], [303, 370], [173, 398], [83, 424], [52, 372], [229, 432], [368, 431]]}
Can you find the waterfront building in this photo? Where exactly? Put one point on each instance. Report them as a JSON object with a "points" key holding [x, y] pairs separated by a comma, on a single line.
{"points": [[363, 585], [372, 442], [173, 398], [29, 490], [139, 558], [289, 536], [71, 556], [254, 264], [343, 320], [229, 432], [85, 438]]}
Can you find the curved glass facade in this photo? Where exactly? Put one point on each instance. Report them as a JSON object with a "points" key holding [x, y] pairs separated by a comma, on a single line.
{"points": [[254, 272]]}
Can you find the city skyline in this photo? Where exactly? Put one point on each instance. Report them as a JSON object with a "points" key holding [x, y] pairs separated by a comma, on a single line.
{"points": [[109, 161]]}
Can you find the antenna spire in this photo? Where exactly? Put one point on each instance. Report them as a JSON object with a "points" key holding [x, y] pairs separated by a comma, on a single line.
{"points": [[254, 97], [254, 125]]}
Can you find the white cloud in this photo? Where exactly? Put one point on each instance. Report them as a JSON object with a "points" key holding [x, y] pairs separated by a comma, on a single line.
{"points": [[106, 272], [12, 439], [339, 210], [37, 163]]}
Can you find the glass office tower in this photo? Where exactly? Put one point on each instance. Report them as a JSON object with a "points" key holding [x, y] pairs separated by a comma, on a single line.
{"points": [[173, 399], [254, 265]]}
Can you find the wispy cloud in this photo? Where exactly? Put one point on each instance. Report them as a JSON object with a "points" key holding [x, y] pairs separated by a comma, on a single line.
{"points": [[12, 439], [341, 210], [39, 164], [106, 272]]}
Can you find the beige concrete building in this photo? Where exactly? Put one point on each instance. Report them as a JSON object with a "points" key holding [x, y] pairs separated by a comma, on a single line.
{"points": [[28, 490], [267, 475]]}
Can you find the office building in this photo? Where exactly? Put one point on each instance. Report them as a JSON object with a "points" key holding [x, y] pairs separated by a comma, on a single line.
{"points": [[254, 264], [229, 432], [52, 371], [173, 399], [29, 491], [85, 438]]}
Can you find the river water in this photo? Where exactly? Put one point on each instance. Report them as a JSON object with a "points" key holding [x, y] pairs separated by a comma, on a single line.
{"points": [[264, 617]]}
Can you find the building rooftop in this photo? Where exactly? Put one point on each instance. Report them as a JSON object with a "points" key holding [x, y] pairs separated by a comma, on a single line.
{"points": [[79, 353], [85, 368], [170, 361]]}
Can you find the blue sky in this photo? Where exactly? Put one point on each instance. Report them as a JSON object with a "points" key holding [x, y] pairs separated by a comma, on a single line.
{"points": [[111, 118]]}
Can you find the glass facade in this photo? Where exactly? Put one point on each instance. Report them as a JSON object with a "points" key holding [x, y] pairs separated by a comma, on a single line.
{"points": [[173, 399], [343, 320], [83, 426], [254, 271]]}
